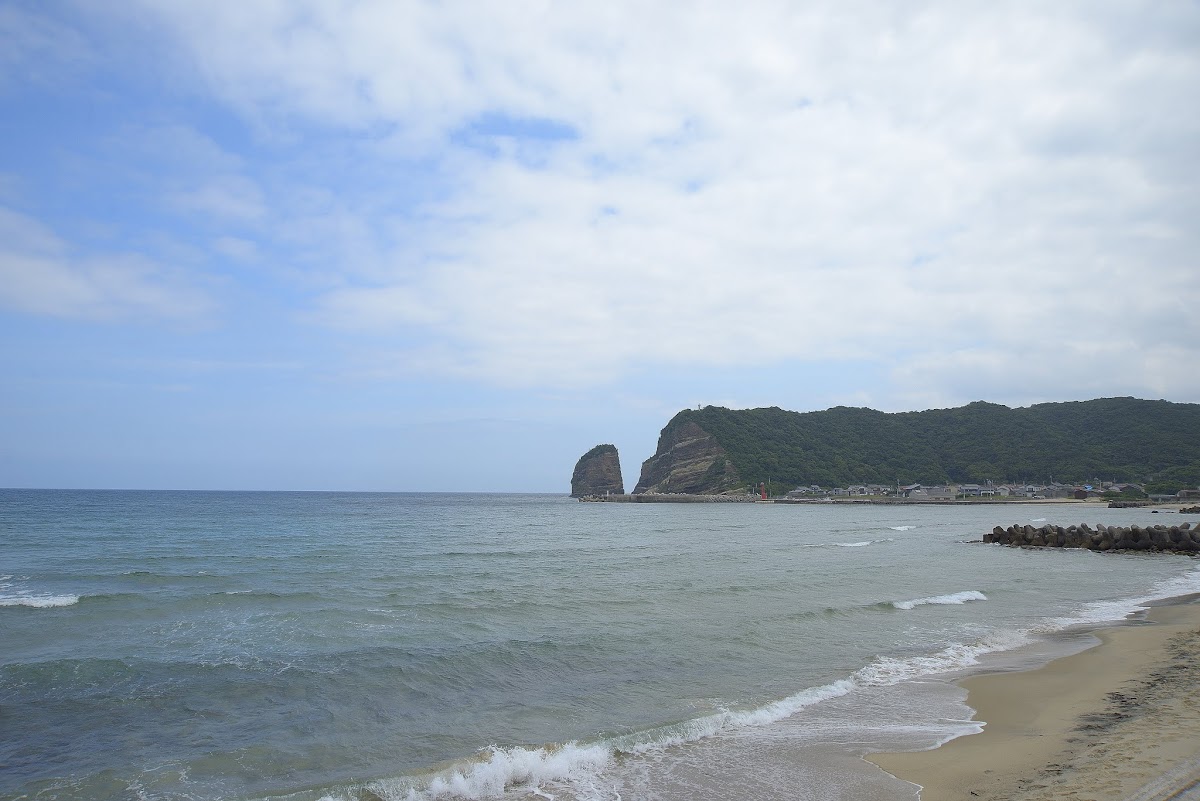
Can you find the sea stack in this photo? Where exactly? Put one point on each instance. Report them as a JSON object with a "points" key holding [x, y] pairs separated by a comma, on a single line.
{"points": [[598, 472]]}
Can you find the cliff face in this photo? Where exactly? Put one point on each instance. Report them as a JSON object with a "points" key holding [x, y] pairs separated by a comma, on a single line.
{"points": [[688, 460], [597, 472]]}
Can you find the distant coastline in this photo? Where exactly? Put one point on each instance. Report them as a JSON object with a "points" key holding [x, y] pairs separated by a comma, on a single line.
{"points": [[680, 497]]}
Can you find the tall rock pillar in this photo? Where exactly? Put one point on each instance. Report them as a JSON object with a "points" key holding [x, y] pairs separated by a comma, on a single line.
{"points": [[598, 472]]}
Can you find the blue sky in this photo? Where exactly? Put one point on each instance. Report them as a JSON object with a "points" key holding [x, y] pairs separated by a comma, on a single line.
{"points": [[423, 246]]}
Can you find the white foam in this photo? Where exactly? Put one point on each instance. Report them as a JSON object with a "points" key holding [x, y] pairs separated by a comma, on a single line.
{"points": [[955, 598], [573, 763], [19, 596], [777, 711], [885, 670], [504, 768], [1118, 609], [726, 720], [901, 528], [39, 601], [861, 544]]}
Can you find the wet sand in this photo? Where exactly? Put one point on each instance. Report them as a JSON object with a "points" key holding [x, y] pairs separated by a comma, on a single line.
{"points": [[1117, 721]]}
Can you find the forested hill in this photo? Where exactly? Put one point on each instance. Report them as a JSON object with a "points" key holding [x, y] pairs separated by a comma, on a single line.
{"points": [[1121, 439]]}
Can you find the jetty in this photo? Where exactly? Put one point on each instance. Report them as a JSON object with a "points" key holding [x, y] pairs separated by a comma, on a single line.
{"points": [[1181, 539]]}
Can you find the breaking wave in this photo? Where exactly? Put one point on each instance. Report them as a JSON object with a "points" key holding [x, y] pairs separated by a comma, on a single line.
{"points": [[580, 765], [955, 598], [502, 769], [18, 596], [39, 601]]}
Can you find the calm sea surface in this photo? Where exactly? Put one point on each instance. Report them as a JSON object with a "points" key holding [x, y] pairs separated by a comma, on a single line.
{"points": [[210, 645]]}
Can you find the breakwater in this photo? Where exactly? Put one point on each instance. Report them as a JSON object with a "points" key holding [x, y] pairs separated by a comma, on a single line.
{"points": [[1170, 539]]}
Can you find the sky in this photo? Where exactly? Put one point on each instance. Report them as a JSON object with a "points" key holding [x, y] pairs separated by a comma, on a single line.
{"points": [[426, 246]]}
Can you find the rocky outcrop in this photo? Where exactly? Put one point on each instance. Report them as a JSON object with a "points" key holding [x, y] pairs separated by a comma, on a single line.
{"points": [[1173, 539], [688, 460], [598, 472]]}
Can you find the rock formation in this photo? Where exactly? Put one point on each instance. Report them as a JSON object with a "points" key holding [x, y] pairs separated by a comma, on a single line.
{"points": [[1174, 539], [688, 460], [598, 472]]}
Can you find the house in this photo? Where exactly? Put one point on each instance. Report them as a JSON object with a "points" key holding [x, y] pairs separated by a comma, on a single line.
{"points": [[800, 492], [920, 493]]}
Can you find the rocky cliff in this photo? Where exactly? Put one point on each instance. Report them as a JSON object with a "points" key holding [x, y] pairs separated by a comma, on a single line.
{"points": [[597, 472], [688, 460]]}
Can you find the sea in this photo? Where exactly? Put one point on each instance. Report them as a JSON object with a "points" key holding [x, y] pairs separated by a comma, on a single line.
{"points": [[359, 646]]}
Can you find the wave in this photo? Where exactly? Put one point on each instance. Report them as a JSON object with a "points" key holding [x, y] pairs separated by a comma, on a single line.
{"points": [[39, 601], [955, 598], [502, 769], [579, 765], [862, 544], [885, 671], [901, 528], [1121, 608], [20, 596], [497, 770], [887, 606]]}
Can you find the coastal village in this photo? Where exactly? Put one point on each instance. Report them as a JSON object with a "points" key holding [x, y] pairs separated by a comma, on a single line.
{"points": [[597, 477], [1098, 490]]}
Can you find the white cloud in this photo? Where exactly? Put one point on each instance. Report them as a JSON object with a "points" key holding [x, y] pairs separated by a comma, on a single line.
{"points": [[982, 186], [39, 275]]}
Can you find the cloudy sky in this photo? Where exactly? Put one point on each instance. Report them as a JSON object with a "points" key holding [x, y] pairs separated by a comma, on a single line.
{"points": [[451, 246]]}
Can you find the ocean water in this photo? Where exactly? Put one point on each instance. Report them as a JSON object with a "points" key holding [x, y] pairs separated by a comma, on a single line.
{"points": [[209, 645]]}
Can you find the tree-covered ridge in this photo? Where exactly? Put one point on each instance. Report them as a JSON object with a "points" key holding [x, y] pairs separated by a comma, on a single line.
{"points": [[1123, 439]]}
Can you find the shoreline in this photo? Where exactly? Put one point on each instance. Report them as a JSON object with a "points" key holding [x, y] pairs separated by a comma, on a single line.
{"points": [[1119, 720], [1153, 507]]}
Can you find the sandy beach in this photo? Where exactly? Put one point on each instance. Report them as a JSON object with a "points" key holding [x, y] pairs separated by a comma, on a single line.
{"points": [[1120, 720]]}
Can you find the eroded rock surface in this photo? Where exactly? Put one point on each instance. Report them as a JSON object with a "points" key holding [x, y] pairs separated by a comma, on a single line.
{"points": [[688, 460], [598, 472]]}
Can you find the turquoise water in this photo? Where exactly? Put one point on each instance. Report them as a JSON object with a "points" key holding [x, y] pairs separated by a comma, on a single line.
{"points": [[206, 645]]}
